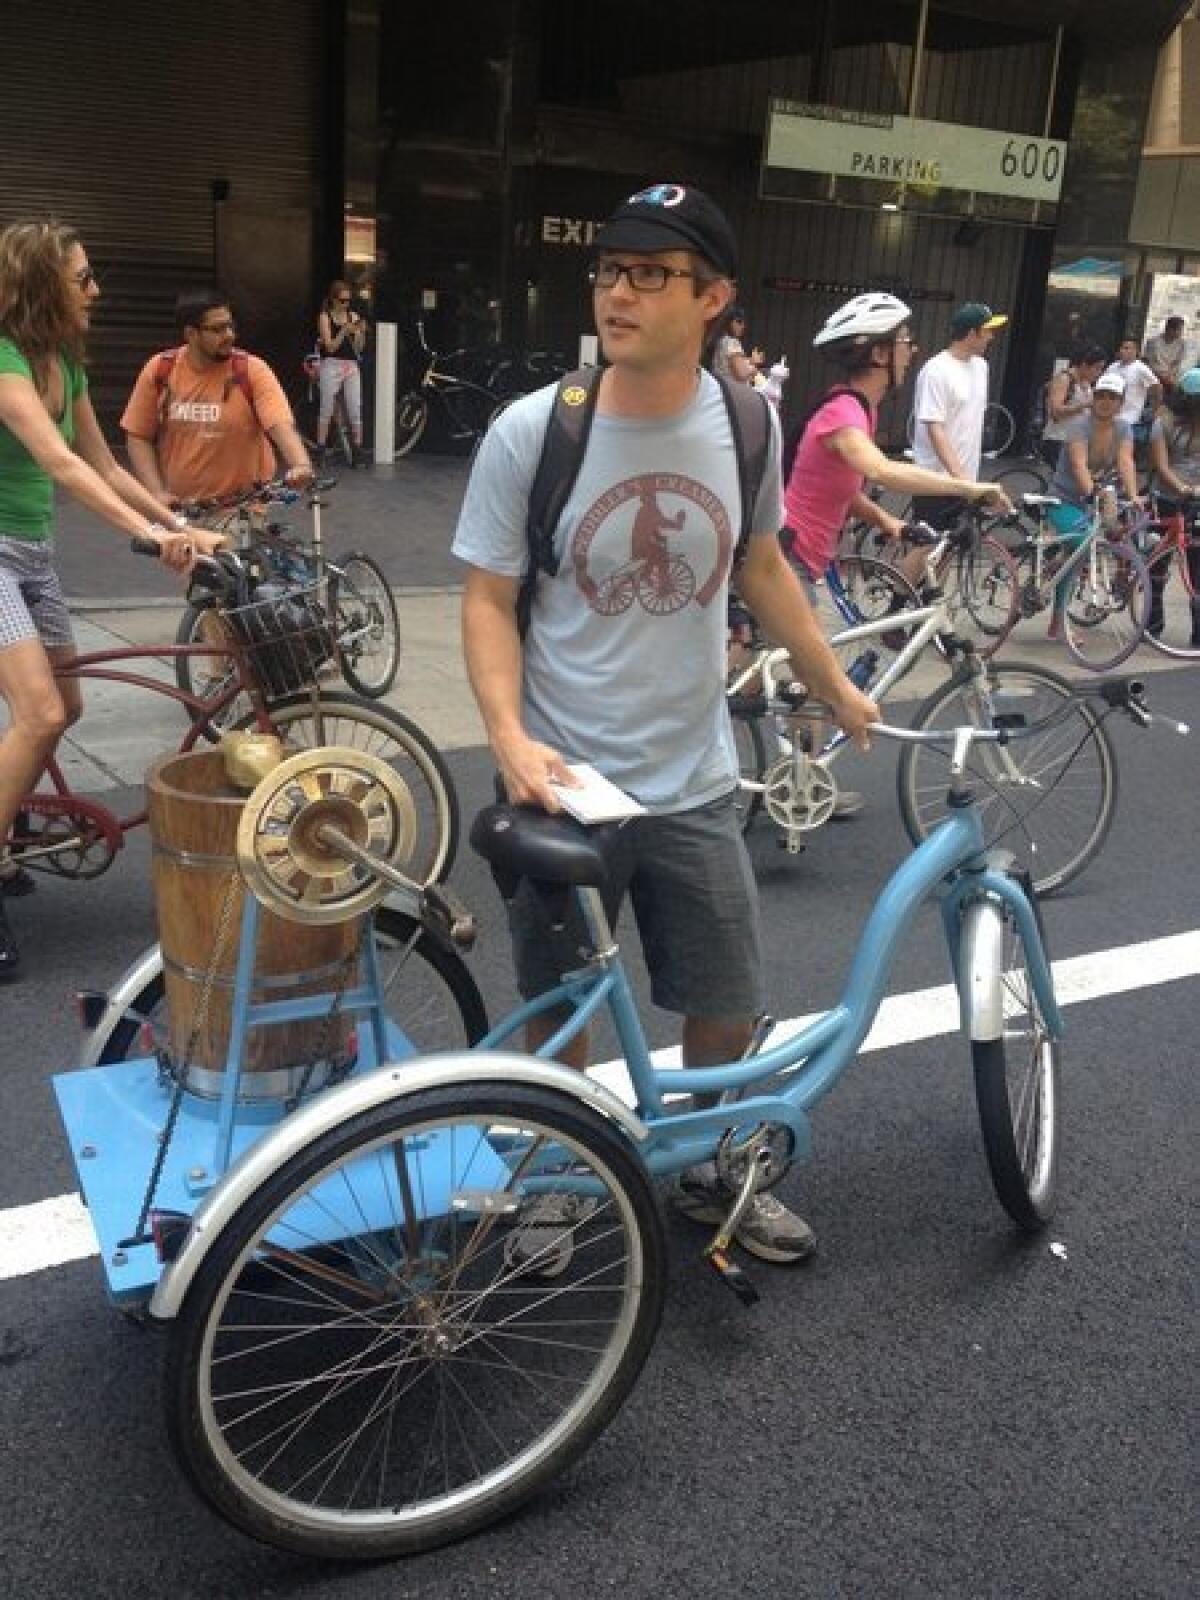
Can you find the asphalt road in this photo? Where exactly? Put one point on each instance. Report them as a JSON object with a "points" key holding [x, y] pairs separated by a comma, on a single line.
{"points": [[932, 1408]]}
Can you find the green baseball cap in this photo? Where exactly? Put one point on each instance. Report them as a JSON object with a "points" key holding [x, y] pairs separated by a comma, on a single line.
{"points": [[973, 315]]}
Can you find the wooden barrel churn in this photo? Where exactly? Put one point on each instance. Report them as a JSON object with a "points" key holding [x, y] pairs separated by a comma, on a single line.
{"points": [[194, 814]]}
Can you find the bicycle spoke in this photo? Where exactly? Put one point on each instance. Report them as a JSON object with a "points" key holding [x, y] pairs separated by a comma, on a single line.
{"points": [[398, 1352]]}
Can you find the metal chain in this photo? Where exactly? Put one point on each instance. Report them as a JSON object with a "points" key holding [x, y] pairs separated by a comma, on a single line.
{"points": [[180, 1074], [321, 1051]]}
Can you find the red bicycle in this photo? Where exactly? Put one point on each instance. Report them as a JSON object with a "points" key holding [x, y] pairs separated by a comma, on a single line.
{"points": [[1170, 545], [275, 649]]}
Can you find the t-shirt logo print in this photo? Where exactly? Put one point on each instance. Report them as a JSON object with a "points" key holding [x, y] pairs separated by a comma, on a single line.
{"points": [[643, 540]]}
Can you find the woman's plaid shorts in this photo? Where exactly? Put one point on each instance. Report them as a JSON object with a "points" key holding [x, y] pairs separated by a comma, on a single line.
{"points": [[32, 604]]}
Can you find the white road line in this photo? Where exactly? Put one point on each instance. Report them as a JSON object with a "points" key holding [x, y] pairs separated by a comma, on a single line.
{"points": [[46, 1234], [52, 1232]]}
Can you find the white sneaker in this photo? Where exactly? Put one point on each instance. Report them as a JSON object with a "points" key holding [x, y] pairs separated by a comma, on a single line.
{"points": [[542, 1241]]}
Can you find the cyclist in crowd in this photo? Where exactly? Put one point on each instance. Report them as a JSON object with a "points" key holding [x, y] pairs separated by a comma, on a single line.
{"points": [[1166, 354], [1175, 458], [641, 695], [49, 435], [949, 403], [1097, 445], [1143, 392], [729, 358], [869, 342], [1068, 397], [205, 418], [341, 338]]}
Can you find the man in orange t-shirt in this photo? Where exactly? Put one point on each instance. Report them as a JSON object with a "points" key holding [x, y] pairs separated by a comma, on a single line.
{"points": [[202, 419]]}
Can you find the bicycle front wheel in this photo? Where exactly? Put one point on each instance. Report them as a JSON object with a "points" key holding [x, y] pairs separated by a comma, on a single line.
{"points": [[1050, 798], [429, 993], [1017, 1093], [207, 676], [874, 590], [308, 721], [412, 414], [999, 429], [378, 1356], [366, 624], [1174, 625], [752, 763], [1108, 606], [982, 590]]}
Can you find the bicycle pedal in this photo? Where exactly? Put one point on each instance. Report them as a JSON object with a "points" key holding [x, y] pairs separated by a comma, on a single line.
{"points": [[731, 1275]]}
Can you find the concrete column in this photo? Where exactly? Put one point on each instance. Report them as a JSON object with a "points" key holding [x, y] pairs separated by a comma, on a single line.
{"points": [[386, 347]]}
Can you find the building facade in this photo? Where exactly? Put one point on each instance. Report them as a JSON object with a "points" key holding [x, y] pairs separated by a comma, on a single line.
{"points": [[455, 161]]}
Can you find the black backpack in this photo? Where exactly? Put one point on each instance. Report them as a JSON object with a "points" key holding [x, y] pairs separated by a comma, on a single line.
{"points": [[792, 443], [562, 456]]}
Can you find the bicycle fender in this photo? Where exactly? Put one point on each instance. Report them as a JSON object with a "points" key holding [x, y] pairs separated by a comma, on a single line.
{"points": [[981, 970], [980, 966], [348, 1100], [121, 996]]}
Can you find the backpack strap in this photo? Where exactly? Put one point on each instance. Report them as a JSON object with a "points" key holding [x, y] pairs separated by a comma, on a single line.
{"points": [[796, 433], [163, 368], [239, 374], [750, 424], [558, 467]]}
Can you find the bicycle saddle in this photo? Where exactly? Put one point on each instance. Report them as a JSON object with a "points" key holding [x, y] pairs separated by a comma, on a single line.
{"points": [[520, 842]]}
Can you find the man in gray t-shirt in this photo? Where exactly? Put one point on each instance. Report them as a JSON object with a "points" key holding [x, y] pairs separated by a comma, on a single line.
{"points": [[623, 663]]}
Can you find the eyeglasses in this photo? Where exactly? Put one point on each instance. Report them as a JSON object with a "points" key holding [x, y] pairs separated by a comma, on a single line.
{"points": [[84, 279], [645, 277], [217, 327], [905, 338]]}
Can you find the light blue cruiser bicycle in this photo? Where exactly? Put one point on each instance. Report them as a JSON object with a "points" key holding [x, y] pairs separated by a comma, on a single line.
{"points": [[359, 1362]]}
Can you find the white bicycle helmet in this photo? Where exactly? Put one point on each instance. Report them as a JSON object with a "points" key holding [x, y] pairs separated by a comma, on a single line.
{"points": [[863, 320]]}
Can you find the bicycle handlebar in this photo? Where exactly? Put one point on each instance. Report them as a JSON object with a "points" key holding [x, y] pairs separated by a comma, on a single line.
{"points": [[277, 491], [224, 572], [1122, 693]]}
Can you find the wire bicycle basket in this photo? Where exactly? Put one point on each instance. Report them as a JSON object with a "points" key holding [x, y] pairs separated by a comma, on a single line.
{"points": [[285, 635]]}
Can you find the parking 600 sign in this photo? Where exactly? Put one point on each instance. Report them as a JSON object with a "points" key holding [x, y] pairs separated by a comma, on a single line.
{"points": [[911, 151]]}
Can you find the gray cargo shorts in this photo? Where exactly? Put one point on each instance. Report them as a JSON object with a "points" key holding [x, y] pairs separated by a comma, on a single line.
{"points": [[695, 902]]}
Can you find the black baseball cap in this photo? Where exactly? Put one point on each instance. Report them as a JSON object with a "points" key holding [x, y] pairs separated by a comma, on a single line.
{"points": [[671, 216]]}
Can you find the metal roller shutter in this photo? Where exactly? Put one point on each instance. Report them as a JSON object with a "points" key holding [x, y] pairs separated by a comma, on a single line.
{"points": [[121, 117]]}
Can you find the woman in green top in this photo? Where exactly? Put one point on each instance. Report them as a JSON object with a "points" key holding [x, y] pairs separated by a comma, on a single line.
{"points": [[49, 434]]}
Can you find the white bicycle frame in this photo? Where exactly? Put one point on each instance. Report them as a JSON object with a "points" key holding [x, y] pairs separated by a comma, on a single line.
{"points": [[772, 667]]}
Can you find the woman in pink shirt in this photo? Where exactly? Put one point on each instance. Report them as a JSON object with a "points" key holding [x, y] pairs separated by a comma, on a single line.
{"points": [[869, 341]]}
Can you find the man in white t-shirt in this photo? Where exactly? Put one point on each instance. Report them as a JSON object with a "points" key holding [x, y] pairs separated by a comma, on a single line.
{"points": [[948, 406], [1168, 354], [1141, 385]]}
